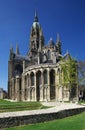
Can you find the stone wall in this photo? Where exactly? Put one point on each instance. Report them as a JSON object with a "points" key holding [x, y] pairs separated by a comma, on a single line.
{"points": [[30, 119]]}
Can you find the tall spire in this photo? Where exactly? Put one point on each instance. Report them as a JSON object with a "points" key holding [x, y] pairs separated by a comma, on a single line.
{"points": [[58, 44], [36, 17], [58, 37], [11, 53], [11, 48], [17, 50]]}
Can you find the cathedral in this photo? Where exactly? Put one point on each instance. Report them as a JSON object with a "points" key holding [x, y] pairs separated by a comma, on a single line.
{"points": [[36, 76]]}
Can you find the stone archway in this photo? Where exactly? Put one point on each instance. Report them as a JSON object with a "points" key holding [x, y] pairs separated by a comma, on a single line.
{"points": [[38, 83], [52, 84]]}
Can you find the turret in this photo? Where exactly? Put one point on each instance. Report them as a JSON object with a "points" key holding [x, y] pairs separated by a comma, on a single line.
{"points": [[11, 55], [11, 49]]}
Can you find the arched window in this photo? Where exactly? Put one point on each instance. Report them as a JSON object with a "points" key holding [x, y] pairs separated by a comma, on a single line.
{"points": [[52, 77], [32, 79], [45, 76], [28, 79], [39, 81]]}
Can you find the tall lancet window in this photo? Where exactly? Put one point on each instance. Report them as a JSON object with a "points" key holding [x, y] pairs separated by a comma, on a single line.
{"points": [[45, 77], [32, 79]]}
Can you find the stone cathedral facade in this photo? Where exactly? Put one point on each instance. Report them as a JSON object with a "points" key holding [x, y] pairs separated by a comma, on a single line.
{"points": [[36, 76]]}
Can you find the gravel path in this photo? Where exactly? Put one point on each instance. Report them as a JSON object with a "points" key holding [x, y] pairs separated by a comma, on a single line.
{"points": [[56, 107]]}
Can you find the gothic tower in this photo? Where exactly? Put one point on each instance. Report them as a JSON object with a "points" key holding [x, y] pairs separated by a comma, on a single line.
{"points": [[36, 38]]}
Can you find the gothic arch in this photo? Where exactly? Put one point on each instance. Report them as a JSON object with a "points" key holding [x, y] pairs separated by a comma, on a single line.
{"points": [[45, 76], [18, 70], [32, 78], [52, 84], [27, 80]]}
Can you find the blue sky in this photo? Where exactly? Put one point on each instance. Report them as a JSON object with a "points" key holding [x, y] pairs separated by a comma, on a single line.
{"points": [[66, 17]]}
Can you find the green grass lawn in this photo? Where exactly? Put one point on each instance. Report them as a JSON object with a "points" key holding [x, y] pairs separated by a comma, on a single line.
{"points": [[70, 123], [7, 106]]}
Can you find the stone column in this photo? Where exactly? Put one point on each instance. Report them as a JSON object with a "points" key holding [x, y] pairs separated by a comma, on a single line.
{"points": [[13, 89], [26, 85], [23, 66], [45, 93], [41, 86], [10, 89], [23, 88], [56, 84], [60, 93], [29, 88], [18, 90], [48, 88], [26, 91], [35, 87]]}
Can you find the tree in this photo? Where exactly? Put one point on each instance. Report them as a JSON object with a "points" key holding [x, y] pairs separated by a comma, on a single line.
{"points": [[69, 74], [81, 79], [81, 73]]}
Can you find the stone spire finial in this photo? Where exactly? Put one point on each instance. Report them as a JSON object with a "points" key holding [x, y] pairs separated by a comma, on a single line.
{"points": [[17, 49], [58, 37], [36, 17], [11, 48], [58, 44]]}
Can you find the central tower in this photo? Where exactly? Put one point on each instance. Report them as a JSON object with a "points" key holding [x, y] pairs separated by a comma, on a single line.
{"points": [[36, 38]]}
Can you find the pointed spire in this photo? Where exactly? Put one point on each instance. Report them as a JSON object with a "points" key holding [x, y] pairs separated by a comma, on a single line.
{"points": [[67, 55], [17, 50], [36, 17], [58, 44], [11, 53], [11, 48], [35, 13], [58, 37]]}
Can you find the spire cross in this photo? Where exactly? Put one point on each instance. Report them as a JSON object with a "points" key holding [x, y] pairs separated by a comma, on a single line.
{"points": [[36, 17]]}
